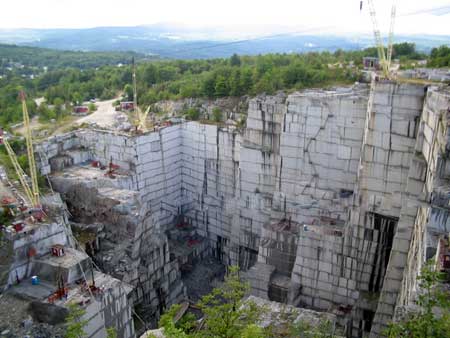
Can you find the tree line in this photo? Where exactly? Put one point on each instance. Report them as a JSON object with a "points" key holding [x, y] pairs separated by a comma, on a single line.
{"points": [[35, 58], [175, 79]]}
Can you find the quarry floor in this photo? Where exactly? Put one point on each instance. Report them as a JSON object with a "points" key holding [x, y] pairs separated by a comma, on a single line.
{"points": [[204, 277], [13, 310]]}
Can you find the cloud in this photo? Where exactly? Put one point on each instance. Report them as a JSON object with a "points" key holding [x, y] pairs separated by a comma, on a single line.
{"points": [[344, 16]]}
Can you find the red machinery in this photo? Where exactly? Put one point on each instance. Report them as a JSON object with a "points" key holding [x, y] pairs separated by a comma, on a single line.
{"points": [[57, 250], [112, 169]]}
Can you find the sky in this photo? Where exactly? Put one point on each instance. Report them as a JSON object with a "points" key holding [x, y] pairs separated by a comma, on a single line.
{"points": [[258, 17]]}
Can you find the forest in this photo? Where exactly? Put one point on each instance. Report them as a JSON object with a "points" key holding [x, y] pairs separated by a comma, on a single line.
{"points": [[34, 58], [76, 78]]}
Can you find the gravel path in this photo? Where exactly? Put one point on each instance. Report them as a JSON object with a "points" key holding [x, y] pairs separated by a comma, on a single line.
{"points": [[104, 116]]}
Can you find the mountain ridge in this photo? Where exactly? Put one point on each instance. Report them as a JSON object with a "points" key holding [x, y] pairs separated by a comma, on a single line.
{"points": [[171, 41]]}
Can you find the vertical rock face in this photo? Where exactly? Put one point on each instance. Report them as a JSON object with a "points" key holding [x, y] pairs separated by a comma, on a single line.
{"points": [[323, 200], [133, 205], [388, 146], [427, 178]]}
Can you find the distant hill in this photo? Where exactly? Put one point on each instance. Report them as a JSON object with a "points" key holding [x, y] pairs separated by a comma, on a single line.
{"points": [[174, 42], [14, 56]]}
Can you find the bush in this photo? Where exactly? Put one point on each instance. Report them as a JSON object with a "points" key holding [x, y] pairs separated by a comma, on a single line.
{"points": [[193, 114], [426, 322], [75, 323], [92, 107], [217, 114]]}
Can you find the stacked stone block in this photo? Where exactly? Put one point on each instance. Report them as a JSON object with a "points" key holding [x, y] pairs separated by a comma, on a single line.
{"points": [[423, 178], [347, 165]]}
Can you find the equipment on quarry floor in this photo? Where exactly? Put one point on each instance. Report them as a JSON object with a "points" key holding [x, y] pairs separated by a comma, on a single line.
{"points": [[32, 252], [9, 205], [57, 250], [18, 226], [111, 169], [35, 280], [8, 201], [62, 290]]}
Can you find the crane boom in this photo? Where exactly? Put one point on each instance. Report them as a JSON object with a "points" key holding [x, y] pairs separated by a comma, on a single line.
{"points": [[140, 116], [135, 107], [31, 161], [385, 57], [19, 171], [142, 119], [391, 34], [377, 36]]}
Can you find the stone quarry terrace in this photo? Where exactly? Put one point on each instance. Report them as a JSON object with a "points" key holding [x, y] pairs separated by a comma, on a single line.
{"points": [[322, 200]]}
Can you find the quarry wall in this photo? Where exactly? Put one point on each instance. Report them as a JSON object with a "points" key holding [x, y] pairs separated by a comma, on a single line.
{"points": [[323, 200]]}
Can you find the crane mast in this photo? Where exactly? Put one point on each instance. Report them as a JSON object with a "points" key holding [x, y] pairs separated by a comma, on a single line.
{"points": [[385, 58], [140, 117], [32, 193], [135, 107], [19, 171], [391, 33], [30, 152]]}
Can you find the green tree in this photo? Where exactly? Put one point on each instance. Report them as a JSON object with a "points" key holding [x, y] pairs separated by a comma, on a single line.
{"points": [[217, 114], [189, 89], [306, 330], [246, 81], [226, 316], [253, 331], [75, 322], [426, 323], [264, 85], [92, 107], [208, 86], [235, 60], [128, 91], [440, 57], [111, 332], [170, 328], [58, 107], [235, 83], [405, 49], [150, 74], [45, 114], [193, 114], [221, 87], [77, 99]]}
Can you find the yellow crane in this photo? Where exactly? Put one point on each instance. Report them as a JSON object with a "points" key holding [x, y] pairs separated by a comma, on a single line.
{"points": [[141, 117], [385, 58], [20, 173], [30, 151], [32, 193], [135, 107], [143, 120]]}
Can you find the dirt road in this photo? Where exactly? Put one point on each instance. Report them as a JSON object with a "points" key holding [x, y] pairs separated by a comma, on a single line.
{"points": [[104, 116]]}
